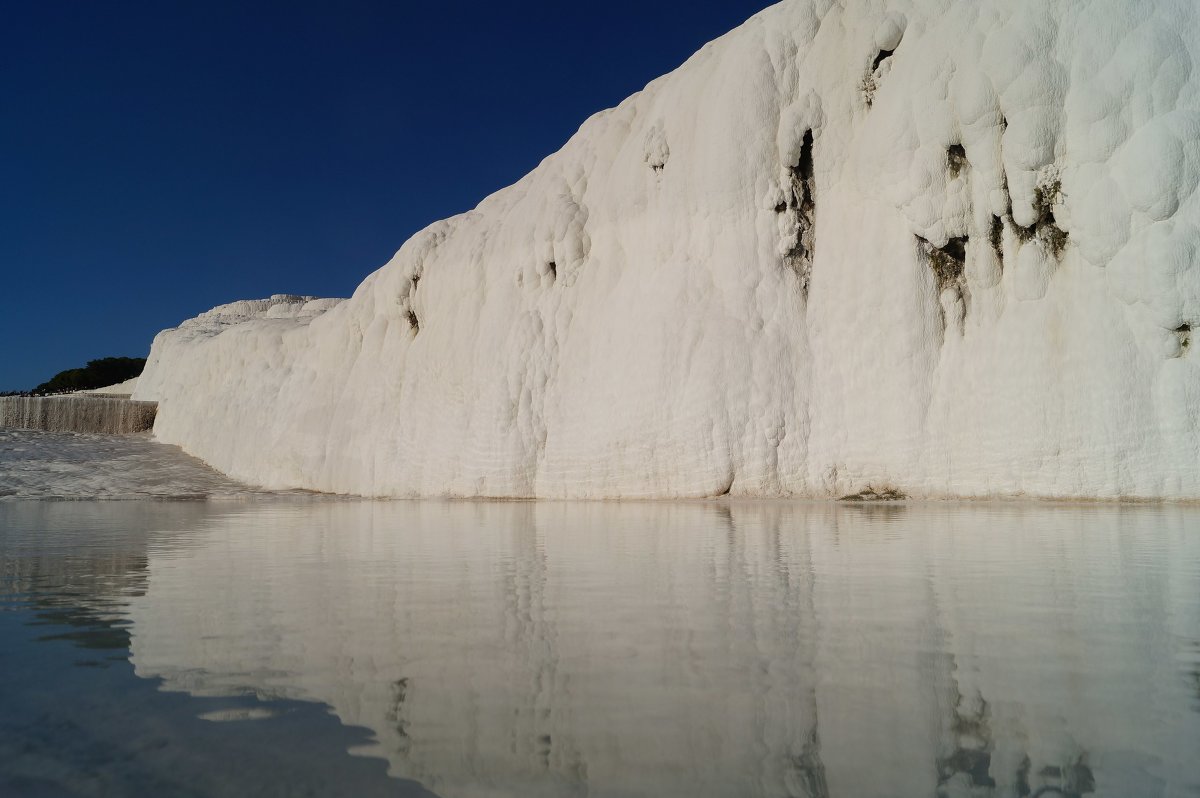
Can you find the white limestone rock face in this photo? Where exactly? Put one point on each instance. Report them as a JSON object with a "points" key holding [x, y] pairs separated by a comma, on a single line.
{"points": [[945, 248], [119, 389]]}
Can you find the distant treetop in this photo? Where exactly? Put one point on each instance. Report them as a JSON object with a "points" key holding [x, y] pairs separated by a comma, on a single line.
{"points": [[97, 374]]}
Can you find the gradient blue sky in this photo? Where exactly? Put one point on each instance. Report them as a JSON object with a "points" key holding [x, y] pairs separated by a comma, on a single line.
{"points": [[160, 158]]}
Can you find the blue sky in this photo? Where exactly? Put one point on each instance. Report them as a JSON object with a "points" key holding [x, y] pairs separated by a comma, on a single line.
{"points": [[160, 158]]}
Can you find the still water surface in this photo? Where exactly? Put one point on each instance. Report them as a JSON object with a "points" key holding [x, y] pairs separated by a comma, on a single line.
{"points": [[288, 646]]}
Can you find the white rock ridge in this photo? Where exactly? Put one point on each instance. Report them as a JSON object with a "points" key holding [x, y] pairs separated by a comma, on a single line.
{"points": [[943, 248], [125, 388]]}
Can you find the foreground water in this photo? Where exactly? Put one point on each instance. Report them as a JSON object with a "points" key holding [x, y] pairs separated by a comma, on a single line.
{"points": [[294, 646]]}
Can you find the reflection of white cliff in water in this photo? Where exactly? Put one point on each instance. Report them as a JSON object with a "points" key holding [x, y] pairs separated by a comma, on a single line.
{"points": [[75, 564], [689, 649]]}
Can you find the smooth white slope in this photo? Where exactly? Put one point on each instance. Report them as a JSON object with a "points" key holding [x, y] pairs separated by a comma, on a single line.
{"points": [[119, 389], [637, 317]]}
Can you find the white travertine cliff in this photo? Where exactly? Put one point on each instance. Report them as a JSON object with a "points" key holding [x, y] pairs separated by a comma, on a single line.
{"points": [[946, 248]]}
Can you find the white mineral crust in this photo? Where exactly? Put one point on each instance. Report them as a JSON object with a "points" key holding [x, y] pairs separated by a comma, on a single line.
{"points": [[943, 247]]}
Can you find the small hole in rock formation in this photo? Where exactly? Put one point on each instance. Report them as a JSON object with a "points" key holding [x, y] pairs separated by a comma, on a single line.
{"points": [[997, 237], [552, 270], [805, 165], [948, 265], [781, 207], [416, 278], [947, 262], [411, 318], [956, 159], [802, 200], [956, 248], [1184, 331], [870, 82]]}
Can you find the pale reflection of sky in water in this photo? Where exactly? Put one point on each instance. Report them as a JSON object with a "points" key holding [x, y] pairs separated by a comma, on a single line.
{"points": [[634, 649]]}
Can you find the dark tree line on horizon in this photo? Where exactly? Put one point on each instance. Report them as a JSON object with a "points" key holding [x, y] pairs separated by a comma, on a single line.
{"points": [[96, 374]]}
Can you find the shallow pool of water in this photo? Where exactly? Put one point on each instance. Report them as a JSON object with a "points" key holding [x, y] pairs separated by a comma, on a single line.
{"points": [[295, 646]]}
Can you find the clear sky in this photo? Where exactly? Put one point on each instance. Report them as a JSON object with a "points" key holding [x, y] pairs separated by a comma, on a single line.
{"points": [[160, 158]]}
